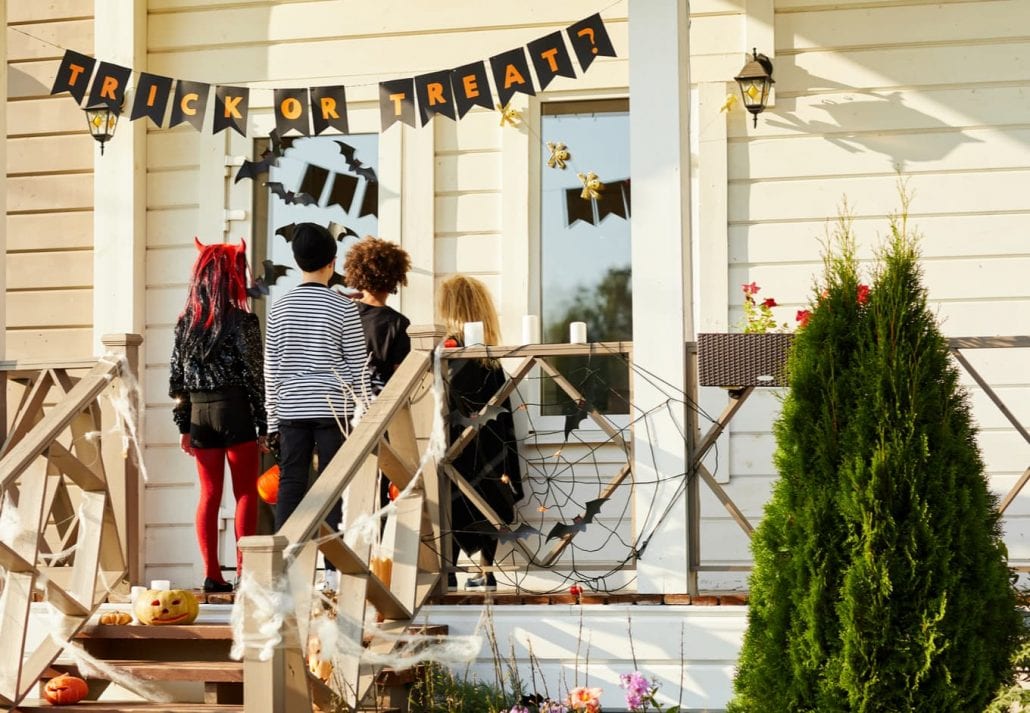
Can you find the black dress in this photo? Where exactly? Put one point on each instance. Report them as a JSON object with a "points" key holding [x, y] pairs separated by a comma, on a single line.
{"points": [[493, 453]]}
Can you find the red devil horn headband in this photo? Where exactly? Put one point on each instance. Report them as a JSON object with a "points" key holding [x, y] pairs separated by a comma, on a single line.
{"points": [[241, 248]]}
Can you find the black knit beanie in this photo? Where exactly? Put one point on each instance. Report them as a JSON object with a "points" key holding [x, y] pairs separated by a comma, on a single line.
{"points": [[313, 246]]}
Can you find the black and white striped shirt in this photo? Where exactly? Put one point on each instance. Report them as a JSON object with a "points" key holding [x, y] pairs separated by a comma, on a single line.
{"points": [[316, 359]]}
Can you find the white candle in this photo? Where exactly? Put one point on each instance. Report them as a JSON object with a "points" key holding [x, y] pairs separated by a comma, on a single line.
{"points": [[530, 329], [161, 585], [578, 333], [473, 333]]}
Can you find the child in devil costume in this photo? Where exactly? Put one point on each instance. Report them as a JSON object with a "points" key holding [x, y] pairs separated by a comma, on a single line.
{"points": [[217, 383]]}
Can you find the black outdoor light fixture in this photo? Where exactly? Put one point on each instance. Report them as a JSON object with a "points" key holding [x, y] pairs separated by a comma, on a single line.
{"points": [[754, 80], [102, 121]]}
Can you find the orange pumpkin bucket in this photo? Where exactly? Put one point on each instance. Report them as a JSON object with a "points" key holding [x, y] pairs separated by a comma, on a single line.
{"points": [[268, 485]]}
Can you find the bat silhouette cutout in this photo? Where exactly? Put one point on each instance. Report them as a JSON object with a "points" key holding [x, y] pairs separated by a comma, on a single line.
{"points": [[269, 158], [355, 165], [290, 197], [579, 523], [336, 279], [340, 231], [271, 275], [572, 420], [286, 231], [479, 419], [522, 531]]}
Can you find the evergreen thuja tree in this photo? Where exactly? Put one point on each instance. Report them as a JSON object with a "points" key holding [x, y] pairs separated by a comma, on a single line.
{"points": [[798, 548], [928, 617]]}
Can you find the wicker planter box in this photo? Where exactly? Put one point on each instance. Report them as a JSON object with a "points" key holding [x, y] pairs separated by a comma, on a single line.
{"points": [[732, 360]]}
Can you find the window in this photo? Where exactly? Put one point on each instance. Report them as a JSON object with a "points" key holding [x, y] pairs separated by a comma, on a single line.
{"points": [[585, 248], [340, 184]]}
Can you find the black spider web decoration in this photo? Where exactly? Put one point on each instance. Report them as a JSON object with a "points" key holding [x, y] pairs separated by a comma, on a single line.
{"points": [[567, 478]]}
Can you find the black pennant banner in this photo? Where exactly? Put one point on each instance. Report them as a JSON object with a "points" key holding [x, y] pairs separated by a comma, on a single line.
{"points": [[434, 95], [189, 104], [314, 181], [397, 102], [471, 88], [329, 109], [232, 105], [590, 39], [109, 86], [550, 59], [151, 98], [370, 202], [614, 200], [511, 74], [310, 111], [73, 75], [291, 111]]}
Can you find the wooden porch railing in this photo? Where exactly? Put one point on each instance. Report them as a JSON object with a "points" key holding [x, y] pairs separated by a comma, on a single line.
{"points": [[393, 436], [70, 486]]}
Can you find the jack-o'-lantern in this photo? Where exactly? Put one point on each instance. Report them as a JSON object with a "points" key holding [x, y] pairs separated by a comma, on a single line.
{"points": [[116, 618], [321, 668], [65, 690], [166, 606], [268, 485]]}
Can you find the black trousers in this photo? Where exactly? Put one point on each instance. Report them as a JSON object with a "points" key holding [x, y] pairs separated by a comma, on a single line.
{"points": [[298, 441]]}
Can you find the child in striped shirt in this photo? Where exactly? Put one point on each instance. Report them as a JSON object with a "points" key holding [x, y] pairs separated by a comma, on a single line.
{"points": [[316, 368]]}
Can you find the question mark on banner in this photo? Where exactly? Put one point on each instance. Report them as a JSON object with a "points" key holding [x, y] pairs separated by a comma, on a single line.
{"points": [[589, 31]]}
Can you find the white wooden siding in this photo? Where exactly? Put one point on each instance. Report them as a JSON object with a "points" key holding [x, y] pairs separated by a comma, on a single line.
{"points": [[49, 260]]}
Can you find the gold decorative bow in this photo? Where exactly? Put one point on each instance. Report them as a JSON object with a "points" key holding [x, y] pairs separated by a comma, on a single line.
{"points": [[731, 101], [592, 186], [509, 114], [559, 155]]}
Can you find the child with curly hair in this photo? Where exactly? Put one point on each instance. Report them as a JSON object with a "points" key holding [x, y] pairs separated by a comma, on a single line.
{"points": [[377, 268]]}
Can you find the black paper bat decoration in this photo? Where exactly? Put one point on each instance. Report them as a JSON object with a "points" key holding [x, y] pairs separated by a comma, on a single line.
{"points": [[479, 419], [572, 420], [355, 165], [290, 197], [269, 158], [518, 533], [340, 231], [336, 279], [272, 274], [580, 522]]}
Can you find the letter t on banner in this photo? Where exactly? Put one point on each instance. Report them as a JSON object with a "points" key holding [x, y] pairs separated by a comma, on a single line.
{"points": [[73, 75], [397, 102]]}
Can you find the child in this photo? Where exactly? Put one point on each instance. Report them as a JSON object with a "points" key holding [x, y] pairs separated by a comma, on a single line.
{"points": [[216, 382], [377, 268], [490, 462], [315, 367]]}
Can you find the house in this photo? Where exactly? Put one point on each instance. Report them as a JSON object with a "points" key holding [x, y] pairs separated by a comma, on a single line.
{"points": [[865, 92]]}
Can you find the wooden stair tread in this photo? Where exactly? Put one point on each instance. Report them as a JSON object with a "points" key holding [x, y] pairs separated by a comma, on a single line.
{"points": [[207, 671], [30, 706], [210, 632]]}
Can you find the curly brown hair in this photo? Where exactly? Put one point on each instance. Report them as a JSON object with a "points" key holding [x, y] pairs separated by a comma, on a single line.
{"points": [[375, 265]]}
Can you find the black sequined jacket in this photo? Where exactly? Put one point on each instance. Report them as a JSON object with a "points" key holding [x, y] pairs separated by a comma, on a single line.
{"points": [[235, 360]]}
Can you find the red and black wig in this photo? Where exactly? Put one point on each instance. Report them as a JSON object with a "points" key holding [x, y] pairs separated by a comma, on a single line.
{"points": [[217, 294]]}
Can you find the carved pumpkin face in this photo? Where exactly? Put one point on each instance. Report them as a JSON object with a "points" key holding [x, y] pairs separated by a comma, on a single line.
{"points": [[171, 606], [268, 485], [65, 689]]}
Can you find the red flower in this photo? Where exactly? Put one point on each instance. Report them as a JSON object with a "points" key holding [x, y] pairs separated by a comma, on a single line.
{"points": [[863, 294], [769, 302], [803, 316], [750, 289], [575, 590]]}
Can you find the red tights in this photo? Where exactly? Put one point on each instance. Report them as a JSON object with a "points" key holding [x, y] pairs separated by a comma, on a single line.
{"points": [[243, 465]]}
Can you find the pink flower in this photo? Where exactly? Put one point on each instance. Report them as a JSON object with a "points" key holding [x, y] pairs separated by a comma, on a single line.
{"points": [[637, 689], [750, 289], [585, 699], [769, 302], [863, 294], [802, 317]]}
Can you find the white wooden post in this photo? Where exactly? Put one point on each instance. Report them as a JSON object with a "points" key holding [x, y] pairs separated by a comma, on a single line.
{"points": [[662, 287], [3, 228], [119, 185]]}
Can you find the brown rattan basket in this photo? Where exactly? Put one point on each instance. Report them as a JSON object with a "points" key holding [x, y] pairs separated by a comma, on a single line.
{"points": [[733, 360]]}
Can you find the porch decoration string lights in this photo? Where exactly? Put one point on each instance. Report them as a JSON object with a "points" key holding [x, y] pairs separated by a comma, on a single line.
{"points": [[102, 121], [755, 80]]}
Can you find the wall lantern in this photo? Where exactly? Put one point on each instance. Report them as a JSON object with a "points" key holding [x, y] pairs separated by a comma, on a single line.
{"points": [[754, 80], [102, 121]]}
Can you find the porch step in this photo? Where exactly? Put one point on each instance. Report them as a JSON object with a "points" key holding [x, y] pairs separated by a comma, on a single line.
{"points": [[128, 707], [151, 670]]}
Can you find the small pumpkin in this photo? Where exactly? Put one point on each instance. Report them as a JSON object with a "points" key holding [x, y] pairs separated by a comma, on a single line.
{"points": [[157, 607], [394, 492], [319, 667], [65, 690], [116, 618], [268, 485]]}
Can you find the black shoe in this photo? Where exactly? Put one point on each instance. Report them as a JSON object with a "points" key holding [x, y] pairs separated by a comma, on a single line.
{"points": [[483, 583], [212, 586]]}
